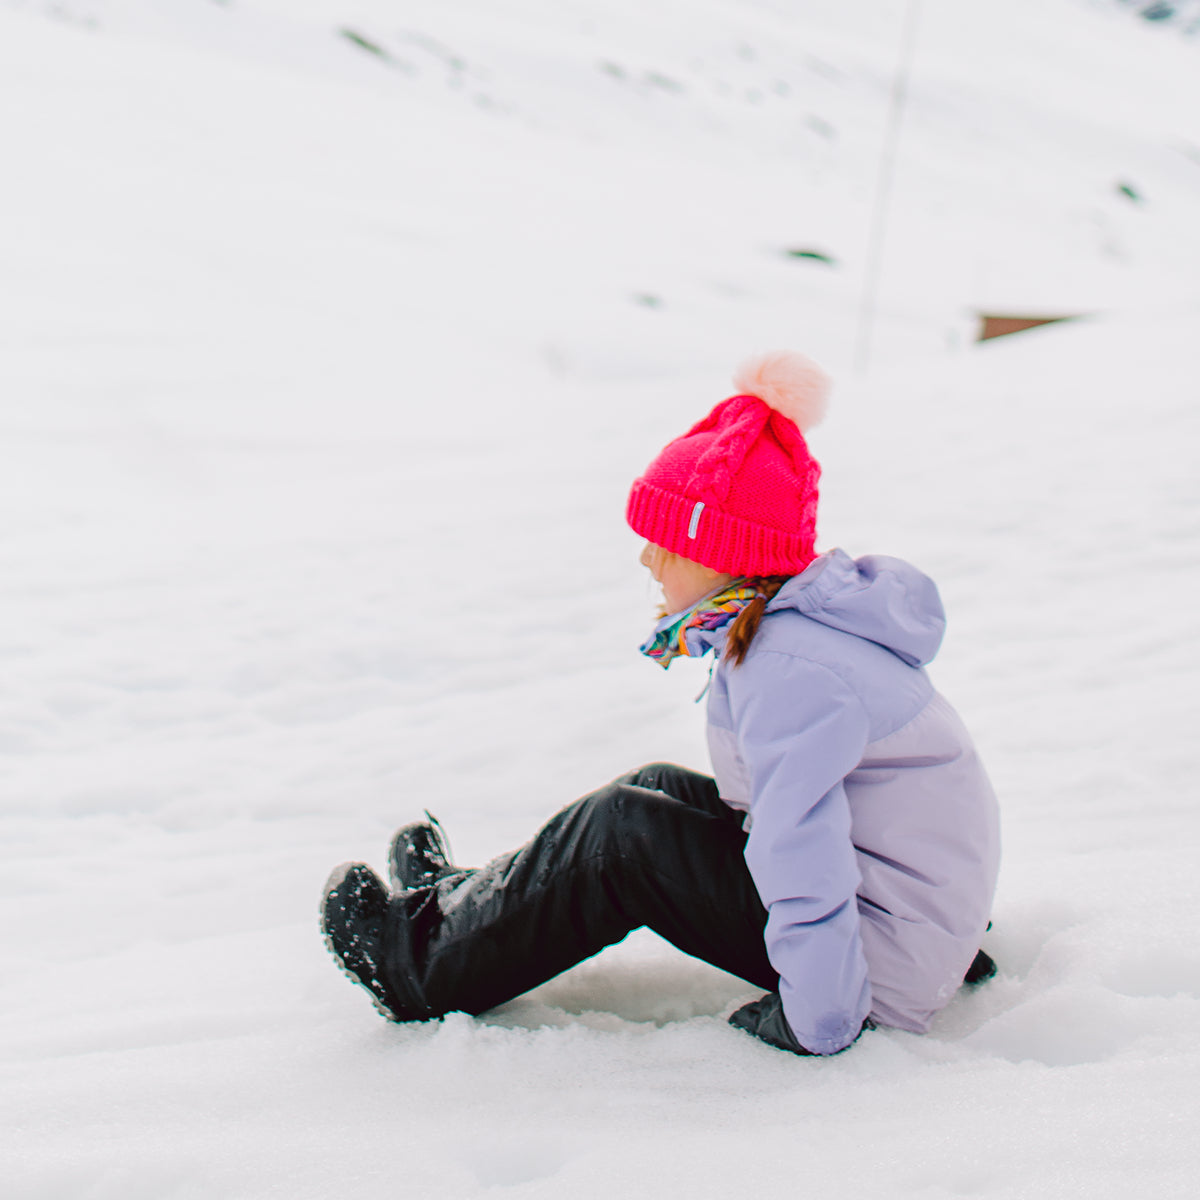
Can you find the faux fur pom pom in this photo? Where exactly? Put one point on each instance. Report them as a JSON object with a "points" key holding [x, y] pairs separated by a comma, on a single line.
{"points": [[789, 382]]}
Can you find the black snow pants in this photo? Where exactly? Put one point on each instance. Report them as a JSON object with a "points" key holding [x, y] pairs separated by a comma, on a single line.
{"points": [[656, 847]]}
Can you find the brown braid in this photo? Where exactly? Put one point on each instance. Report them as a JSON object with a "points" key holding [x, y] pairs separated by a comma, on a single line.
{"points": [[745, 626]]}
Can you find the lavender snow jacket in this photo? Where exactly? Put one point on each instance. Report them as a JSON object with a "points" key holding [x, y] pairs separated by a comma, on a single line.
{"points": [[873, 830]]}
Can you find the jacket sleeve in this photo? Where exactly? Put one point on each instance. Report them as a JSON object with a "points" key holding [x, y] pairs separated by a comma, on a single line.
{"points": [[800, 731]]}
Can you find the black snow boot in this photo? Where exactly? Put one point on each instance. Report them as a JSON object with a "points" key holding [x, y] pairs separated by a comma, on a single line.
{"points": [[420, 855], [354, 911]]}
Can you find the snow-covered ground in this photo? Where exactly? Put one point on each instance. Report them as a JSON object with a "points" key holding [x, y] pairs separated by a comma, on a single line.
{"points": [[325, 364]]}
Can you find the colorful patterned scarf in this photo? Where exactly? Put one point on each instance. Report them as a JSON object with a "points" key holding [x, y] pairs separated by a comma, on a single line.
{"points": [[669, 639]]}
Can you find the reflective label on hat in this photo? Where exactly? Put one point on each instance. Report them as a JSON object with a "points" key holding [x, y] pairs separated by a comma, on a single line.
{"points": [[694, 524]]}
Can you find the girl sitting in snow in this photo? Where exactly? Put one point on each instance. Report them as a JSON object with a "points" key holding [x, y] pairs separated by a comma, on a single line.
{"points": [[843, 859]]}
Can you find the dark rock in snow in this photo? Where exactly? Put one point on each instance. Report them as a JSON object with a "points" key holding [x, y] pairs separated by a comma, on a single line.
{"points": [[813, 256]]}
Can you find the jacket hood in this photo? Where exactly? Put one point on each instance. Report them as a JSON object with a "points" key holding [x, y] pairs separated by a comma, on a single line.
{"points": [[884, 600]]}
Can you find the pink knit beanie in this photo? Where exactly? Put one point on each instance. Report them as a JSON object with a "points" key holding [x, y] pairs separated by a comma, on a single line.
{"points": [[738, 491]]}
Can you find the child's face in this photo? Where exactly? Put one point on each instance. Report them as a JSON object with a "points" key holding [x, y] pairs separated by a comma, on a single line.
{"points": [[683, 582]]}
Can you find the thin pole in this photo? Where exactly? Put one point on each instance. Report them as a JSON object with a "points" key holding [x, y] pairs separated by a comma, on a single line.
{"points": [[883, 187]]}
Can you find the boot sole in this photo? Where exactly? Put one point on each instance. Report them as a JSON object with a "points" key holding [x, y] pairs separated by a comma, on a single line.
{"points": [[336, 878]]}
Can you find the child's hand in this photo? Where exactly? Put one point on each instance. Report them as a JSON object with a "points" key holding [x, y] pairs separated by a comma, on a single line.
{"points": [[764, 1018]]}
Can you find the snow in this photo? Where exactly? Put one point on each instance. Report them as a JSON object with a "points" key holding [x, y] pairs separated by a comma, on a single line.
{"points": [[323, 375]]}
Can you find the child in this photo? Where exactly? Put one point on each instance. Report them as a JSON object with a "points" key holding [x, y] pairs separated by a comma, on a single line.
{"points": [[845, 856]]}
